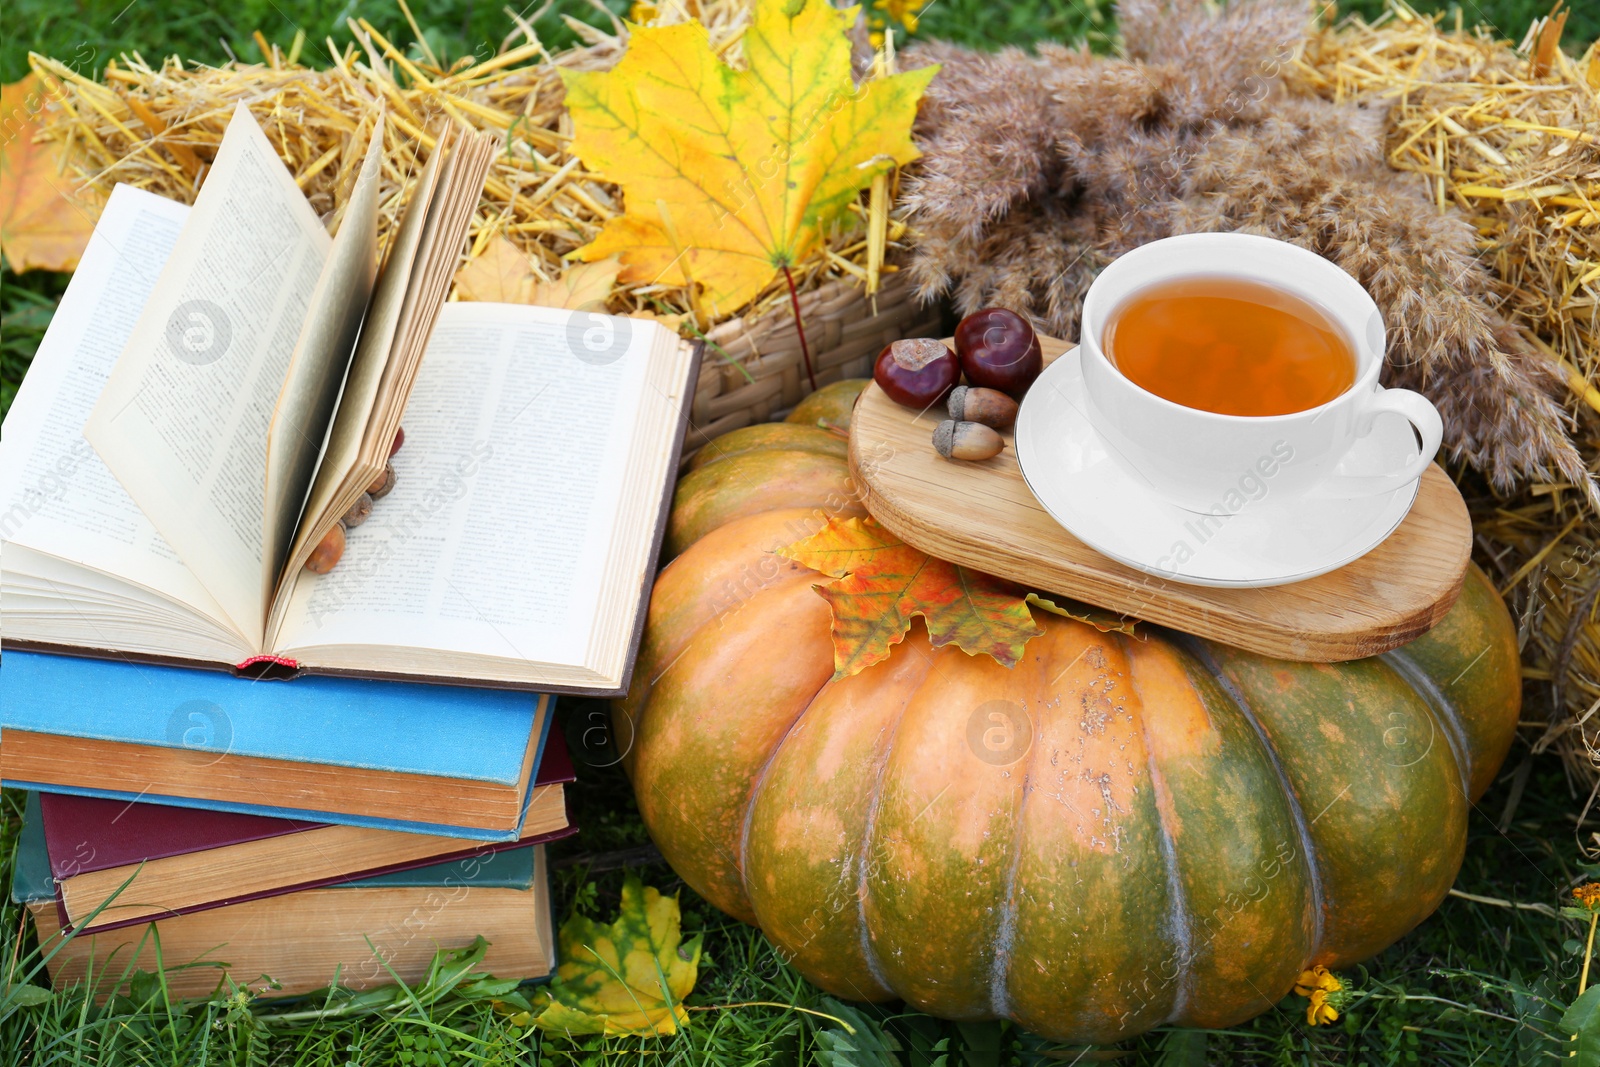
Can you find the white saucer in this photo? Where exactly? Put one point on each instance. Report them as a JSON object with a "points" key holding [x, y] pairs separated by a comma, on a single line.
{"points": [[1265, 542]]}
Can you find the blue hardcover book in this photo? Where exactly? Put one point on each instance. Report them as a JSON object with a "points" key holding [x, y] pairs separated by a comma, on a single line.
{"points": [[433, 759]]}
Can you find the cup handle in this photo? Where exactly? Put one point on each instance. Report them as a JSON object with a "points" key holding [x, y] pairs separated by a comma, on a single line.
{"points": [[1415, 409]]}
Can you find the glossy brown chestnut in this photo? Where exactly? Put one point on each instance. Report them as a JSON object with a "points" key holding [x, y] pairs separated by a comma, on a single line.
{"points": [[999, 350], [916, 372]]}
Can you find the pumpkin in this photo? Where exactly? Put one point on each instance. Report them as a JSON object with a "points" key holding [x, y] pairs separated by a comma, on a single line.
{"points": [[1119, 832]]}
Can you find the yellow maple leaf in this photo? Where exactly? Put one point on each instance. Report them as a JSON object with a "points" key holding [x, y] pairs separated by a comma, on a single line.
{"points": [[46, 215], [626, 978], [503, 273], [730, 175]]}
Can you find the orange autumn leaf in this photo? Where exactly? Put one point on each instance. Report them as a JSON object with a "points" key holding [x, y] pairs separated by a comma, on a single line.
{"points": [[883, 583], [46, 216], [581, 287], [730, 175], [503, 273]]}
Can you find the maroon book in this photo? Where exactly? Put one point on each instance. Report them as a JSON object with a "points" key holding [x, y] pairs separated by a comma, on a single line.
{"points": [[117, 863]]}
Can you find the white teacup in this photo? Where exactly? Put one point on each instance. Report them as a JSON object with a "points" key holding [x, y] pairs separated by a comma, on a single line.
{"points": [[1201, 459]]}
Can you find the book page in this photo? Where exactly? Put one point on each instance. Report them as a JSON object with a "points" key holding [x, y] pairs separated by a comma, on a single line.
{"points": [[183, 419], [56, 495], [443, 245], [340, 464], [319, 364], [495, 537]]}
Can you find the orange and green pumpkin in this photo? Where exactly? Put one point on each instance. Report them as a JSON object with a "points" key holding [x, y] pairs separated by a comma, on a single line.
{"points": [[1118, 833]]}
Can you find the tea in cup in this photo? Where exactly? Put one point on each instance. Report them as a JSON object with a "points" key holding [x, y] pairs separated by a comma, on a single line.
{"points": [[1221, 368]]}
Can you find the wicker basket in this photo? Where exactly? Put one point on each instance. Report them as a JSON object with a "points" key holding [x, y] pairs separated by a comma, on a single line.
{"points": [[753, 370]]}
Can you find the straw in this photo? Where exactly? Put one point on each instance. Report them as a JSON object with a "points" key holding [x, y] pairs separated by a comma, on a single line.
{"points": [[1508, 134], [156, 127]]}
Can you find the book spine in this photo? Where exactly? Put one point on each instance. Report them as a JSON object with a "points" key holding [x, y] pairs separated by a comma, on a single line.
{"points": [[471, 833]]}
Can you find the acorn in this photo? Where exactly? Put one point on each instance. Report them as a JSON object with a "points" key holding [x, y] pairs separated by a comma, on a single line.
{"points": [[328, 551], [972, 403], [399, 439], [383, 484], [970, 441], [359, 512]]}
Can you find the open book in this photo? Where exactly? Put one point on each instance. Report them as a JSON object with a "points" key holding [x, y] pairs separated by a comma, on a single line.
{"points": [[220, 385]]}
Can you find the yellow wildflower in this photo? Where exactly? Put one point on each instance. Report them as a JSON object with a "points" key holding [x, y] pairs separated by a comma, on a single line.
{"points": [[1326, 993], [885, 12], [1588, 895], [1318, 977]]}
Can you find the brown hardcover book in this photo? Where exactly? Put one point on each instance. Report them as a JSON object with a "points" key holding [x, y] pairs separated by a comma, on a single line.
{"points": [[360, 934], [222, 383]]}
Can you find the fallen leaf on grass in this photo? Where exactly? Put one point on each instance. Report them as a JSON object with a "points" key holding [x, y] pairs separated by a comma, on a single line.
{"points": [[626, 978], [46, 215]]}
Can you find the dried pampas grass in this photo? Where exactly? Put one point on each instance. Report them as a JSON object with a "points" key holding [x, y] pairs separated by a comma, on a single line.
{"points": [[1040, 169]]}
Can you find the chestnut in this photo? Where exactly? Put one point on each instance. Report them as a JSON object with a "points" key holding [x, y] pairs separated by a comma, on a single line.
{"points": [[916, 372], [999, 350], [971, 441]]}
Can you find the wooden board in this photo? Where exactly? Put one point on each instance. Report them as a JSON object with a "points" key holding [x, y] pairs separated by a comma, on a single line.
{"points": [[984, 516]]}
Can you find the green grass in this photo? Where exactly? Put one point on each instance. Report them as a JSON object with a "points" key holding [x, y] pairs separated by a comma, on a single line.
{"points": [[87, 33], [1476, 985]]}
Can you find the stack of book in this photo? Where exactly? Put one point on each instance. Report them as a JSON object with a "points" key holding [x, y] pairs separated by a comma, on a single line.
{"points": [[291, 834], [288, 774]]}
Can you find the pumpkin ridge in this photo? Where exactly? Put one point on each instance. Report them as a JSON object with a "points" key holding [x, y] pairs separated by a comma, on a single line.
{"points": [[1006, 930], [1197, 648], [874, 801], [1448, 719], [1180, 917], [742, 850]]}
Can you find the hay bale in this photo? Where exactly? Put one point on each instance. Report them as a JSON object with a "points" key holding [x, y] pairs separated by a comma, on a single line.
{"points": [[1509, 133]]}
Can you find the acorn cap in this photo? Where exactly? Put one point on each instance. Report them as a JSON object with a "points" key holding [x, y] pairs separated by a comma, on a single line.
{"points": [[957, 401]]}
